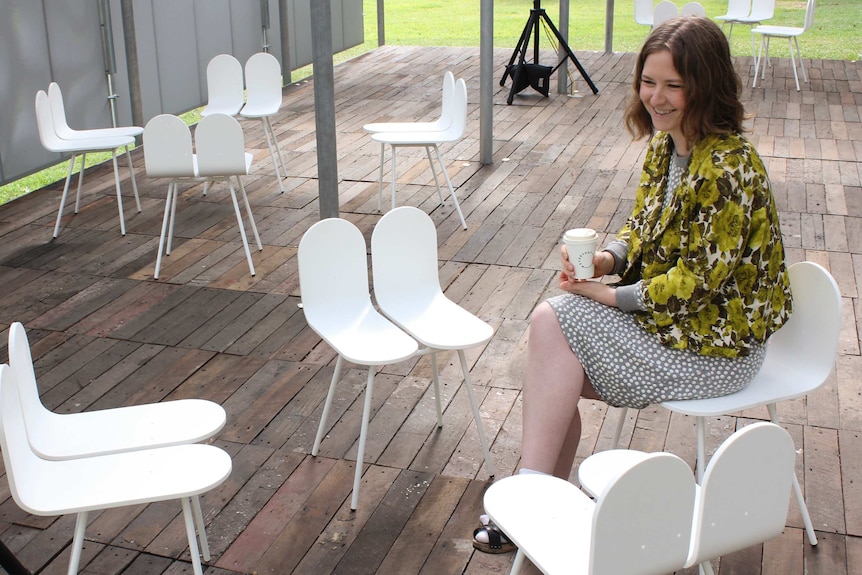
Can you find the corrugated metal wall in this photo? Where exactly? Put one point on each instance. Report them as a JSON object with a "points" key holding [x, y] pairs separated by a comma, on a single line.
{"points": [[161, 49]]}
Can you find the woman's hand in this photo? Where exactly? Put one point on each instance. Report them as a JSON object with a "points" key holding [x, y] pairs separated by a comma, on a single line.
{"points": [[602, 293]]}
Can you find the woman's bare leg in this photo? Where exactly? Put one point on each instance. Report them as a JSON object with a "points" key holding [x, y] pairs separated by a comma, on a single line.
{"points": [[554, 381]]}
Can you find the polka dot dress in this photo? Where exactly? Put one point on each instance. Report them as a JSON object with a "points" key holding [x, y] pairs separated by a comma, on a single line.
{"points": [[630, 367]]}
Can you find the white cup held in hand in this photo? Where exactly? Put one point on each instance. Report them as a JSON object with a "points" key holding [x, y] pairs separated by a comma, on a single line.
{"points": [[581, 244]]}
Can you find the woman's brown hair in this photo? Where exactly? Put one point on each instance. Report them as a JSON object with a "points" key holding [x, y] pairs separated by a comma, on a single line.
{"points": [[701, 56]]}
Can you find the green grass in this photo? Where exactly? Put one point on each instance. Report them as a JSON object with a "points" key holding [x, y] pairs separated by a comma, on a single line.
{"points": [[836, 35]]}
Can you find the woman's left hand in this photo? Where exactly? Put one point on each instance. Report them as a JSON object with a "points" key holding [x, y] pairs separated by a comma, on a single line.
{"points": [[594, 290]]}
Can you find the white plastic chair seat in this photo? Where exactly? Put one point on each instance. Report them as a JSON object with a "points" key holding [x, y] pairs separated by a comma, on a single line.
{"points": [[437, 321], [366, 338], [61, 125]]}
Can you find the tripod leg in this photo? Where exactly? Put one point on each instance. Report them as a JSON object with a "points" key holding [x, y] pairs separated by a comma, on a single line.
{"points": [[569, 53], [520, 48]]}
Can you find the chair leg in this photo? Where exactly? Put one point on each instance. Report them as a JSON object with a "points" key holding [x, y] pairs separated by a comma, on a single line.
{"points": [[394, 175], [173, 219], [168, 204], [437, 400], [277, 147], [799, 57], [434, 173], [199, 525], [119, 195], [77, 542], [190, 533], [476, 415], [757, 56], [380, 179], [451, 189], [363, 435], [618, 431], [80, 181], [241, 226], [803, 508], [272, 153], [517, 563], [328, 403], [701, 448], [65, 193], [250, 215], [134, 181]]}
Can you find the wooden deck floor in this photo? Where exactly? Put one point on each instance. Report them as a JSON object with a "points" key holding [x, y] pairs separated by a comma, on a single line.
{"points": [[105, 334]]}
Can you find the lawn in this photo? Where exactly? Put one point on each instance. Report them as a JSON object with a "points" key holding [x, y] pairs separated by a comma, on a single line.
{"points": [[836, 35]]}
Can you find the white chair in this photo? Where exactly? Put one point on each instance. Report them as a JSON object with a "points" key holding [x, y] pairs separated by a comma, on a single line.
{"points": [[263, 100], [742, 499], [736, 9], [407, 290], [71, 435], [799, 358], [644, 12], [639, 525], [221, 156], [78, 146], [428, 140], [340, 312], [224, 86], [57, 487], [792, 34], [693, 9], [761, 11], [664, 10], [440, 124]]}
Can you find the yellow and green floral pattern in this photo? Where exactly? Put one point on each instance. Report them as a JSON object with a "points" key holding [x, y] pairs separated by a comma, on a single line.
{"points": [[712, 263]]}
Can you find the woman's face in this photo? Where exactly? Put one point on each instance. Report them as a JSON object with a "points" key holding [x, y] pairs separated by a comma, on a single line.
{"points": [[661, 92]]}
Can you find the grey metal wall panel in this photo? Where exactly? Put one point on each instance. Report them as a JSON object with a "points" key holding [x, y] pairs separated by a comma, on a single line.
{"points": [[176, 53]]}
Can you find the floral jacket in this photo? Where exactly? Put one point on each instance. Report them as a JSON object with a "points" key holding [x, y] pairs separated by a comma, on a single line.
{"points": [[712, 263]]}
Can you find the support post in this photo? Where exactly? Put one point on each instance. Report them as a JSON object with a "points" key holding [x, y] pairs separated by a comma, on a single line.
{"points": [[324, 107]]}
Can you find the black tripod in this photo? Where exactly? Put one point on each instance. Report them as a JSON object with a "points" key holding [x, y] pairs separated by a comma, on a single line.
{"points": [[520, 71]]}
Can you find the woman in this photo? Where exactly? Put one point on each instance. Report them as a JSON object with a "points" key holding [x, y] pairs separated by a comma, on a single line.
{"points": [[703, 279]]}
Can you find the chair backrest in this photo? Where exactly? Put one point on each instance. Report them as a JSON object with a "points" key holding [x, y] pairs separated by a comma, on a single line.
{"points": [[664, 10], [45, 123], [745, 493], [761, 10], [456, 129], [168, 148], [738, 8], [801, 354], [693, 9], [23, 467], [809, 14], [404, 256], [333, 274], [643, 12], [642, 521], [220, 146], [224, 83], [35, 414], [58, 110], [263, 82], [447, 109]]}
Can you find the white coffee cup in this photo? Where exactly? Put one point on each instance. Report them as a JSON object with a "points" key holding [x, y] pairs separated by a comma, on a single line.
{"points": [[581, 244]]}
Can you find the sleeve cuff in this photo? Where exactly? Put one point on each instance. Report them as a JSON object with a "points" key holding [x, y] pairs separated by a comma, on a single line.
{"points": [[619, 250], [630, 298]]}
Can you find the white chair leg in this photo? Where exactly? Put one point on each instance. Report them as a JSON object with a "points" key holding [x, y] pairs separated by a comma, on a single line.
{"points": [[199, 525], [272, 152], [451, 189], [190, 532], [134, 181], [517, 563], [173, 219], [363, 435], [476, 415], [394, 175], [618, 431], [168, 203], [797, 489], [380, 180], [277, 148], [241, 225], [80, 181], [77, 542], [434, 173], [757, 55], [437, 399], [63, 197], [701, 448], [119, 194], [250, 215], [799, 57], [324, 417]]}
